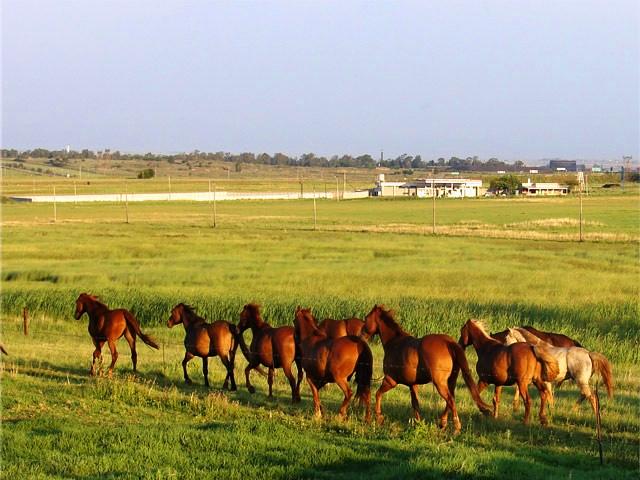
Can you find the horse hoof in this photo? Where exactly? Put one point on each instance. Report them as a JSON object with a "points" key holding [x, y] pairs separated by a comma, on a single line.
{"points": [[233, 388], [380, 419], [251, 389], [187, 381]]}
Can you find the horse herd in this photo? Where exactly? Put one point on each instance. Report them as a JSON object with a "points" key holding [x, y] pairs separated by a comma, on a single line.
{"points": [[334, 351]]}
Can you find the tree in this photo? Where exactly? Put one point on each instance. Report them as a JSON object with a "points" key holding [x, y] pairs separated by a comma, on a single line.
{"points": [[507, 184], [147, 173]]}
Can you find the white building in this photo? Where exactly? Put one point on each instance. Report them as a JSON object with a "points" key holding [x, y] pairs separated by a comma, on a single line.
{"points": [[443, 187], [543, 189]]}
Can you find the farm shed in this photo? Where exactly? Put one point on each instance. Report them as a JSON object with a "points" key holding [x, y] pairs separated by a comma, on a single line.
{"points": [[444, 187]]}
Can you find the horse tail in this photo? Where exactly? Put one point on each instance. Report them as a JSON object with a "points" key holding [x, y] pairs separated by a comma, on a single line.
{"points": [[364, 373], [239, 342], [602, 366], [133, 324], [550, 367], [460, 359]]}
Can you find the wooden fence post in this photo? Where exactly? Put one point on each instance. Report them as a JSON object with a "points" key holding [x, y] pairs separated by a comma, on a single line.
{"points": [[25, 321]]}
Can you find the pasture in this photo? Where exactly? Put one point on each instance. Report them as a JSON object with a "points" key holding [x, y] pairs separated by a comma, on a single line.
{"points": [[510, 262]]}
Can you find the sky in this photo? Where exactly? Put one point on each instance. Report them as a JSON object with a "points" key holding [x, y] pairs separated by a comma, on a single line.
{"points": [[508, 79]]}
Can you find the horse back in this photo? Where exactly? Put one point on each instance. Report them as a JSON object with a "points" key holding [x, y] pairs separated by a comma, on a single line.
{"points": [[108, 324], [333, 328], [555, 339], [354, 326]]}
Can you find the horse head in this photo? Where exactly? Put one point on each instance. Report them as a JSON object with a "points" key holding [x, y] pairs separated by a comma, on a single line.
{"points": [[177, 314], [514, 336], [249, 317], [305, 324], [371, 322], [81, 305]]}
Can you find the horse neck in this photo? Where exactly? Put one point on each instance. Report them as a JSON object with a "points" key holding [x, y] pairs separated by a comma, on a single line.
{"points": [[309, 333], [481, 340], [191, 320], [388, 332], [95, 309], [258, 324]]}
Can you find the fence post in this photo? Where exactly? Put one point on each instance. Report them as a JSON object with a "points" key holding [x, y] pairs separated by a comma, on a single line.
{"points": [[315, 211], [212, 205], [25, 321], [75, 193], [126, 202], [169, 187], [55, 207], [433, 207], [337, 191], [581, 213]]}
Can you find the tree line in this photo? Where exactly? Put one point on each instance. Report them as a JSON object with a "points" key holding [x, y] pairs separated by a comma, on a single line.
{"points": [[404, 161]]}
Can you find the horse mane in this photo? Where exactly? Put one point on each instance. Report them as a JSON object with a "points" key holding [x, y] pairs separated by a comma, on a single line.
{"points": [[94, 299], [482, 326], [530, 337], [389, 319], [515, 335], [254, 308], [191, 312]]}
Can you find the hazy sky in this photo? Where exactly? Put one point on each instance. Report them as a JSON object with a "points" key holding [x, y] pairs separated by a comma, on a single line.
{"points": [[512, 79]]}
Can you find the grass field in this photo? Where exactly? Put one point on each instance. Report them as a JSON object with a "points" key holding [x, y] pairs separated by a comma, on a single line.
{"points": [[507, 261]]}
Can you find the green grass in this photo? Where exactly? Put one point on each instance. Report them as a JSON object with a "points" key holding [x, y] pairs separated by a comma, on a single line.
{"points": [[57, 422]]}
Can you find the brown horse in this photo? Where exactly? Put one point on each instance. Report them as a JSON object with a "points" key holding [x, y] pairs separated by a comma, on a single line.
{"points": [[326, 360], [519, 363], [206, 340], [415, 361], [555, 339], [108, 326], [271, 347], [341, 328]]}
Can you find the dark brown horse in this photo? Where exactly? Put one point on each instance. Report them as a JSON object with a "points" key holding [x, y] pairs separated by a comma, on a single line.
{"points": [[108, 326], [326, 360], [271, 347], [341, 328], [206, 340], [519, 363], [415, 361], [555, 339]]}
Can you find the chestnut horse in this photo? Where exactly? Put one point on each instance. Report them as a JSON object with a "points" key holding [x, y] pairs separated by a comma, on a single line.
{"points": [[415, 361], [555, 339], [108, 326], [206, 340], [500, 365], [341, 328], [271, 347], [326, 360]]}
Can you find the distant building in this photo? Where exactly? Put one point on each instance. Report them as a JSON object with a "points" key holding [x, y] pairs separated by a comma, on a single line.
{"points": [[543, 189], [442, 187], [596, 169], [563, 165]]}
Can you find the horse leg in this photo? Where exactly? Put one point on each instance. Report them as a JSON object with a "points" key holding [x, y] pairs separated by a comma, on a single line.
{"points": [[97, 354], [187, 356], [415, 404], [300, 377], [205, 370], [524, 393], [270, 381], [344, 386], [516, 399], [131, 340], [292, 382], [247, 370], [585, 392], [227, 361], [114, 355], [544, 395], [496, 400], [387, 384], [446, 393], [317, 409]]}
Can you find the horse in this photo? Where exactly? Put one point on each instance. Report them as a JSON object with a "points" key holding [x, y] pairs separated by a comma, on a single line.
{"points": [[341, 328], [555, 339], [108, 326], [575, 363], [271, 347], [327, 360], [500, 365], [412, 361], [206, 340]]}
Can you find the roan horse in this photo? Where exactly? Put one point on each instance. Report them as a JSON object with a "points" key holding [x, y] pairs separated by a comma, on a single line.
{"points": [[206, 340], [271, 347], [415, 361], [341, 328], [500, 365], [108, 326], [574, 363], [326, 360]]}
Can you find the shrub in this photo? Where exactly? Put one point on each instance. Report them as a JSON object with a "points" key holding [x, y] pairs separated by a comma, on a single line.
{"points": [[147, 173]]}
